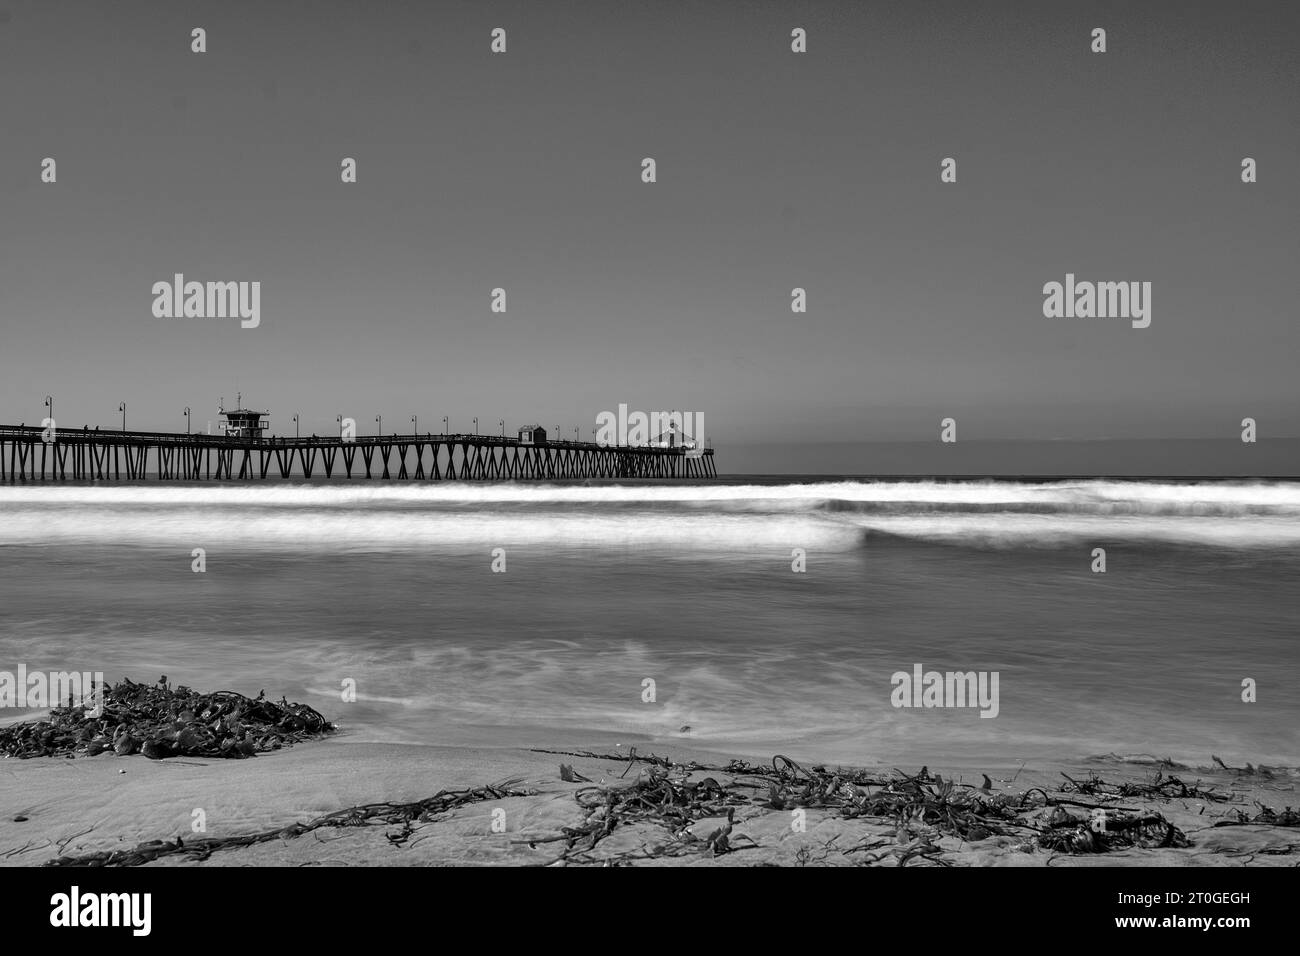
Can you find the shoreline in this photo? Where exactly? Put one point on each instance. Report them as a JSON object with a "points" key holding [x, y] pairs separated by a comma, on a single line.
{"points": [[107, 803]]}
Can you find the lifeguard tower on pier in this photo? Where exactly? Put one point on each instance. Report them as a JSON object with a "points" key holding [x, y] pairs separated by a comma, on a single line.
{"points": [[243, 422]]}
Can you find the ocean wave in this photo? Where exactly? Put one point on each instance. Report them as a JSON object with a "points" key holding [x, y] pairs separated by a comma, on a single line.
{"points": [[1049, 531], [396, 531], [1190, 497], [834, 516]]}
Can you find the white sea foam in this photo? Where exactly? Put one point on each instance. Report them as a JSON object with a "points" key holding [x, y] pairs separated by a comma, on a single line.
{"points": [[1284, 496], [1012, 530], [721, 518], [395, 530]]}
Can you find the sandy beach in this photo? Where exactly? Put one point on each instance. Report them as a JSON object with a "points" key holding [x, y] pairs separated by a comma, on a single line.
{"points": [[53, 807]]}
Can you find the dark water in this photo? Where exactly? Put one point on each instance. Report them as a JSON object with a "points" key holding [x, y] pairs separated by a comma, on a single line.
{"points": [[391, 586]]}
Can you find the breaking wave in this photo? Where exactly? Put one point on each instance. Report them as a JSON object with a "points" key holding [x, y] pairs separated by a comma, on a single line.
{"points": [[699, 518]]}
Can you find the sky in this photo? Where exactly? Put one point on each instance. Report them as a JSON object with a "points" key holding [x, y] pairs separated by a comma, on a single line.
{"points": [[775, 170]]}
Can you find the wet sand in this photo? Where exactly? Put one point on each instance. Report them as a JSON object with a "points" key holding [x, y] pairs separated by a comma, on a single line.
{"points": [[90, 804]]}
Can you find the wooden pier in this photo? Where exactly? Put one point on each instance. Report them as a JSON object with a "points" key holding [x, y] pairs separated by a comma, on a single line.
{"points": [[97, 455]]}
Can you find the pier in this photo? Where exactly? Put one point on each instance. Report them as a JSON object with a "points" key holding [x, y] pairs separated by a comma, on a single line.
{"points": [[30, 453]]}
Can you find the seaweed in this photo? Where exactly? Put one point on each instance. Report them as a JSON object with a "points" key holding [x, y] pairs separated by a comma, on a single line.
{"points": [[1250, 770], [660, 796], [1265, 817], [699, 808], [1107, 830], [1158, 787], [366, 815], [161, 721], [921, 807]]}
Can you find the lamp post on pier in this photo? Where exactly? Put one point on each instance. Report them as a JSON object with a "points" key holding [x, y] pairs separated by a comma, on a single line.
{"points": [[445, 427], [380, 420], [187, 419], [49, 403], [122, 408], [415, 420], [503, 428], [295, 425], [339, 419], [475, 426]]}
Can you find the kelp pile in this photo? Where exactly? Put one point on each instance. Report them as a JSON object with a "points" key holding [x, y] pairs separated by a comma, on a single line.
{"points": [[161, 721], [921, 807], [909, 801], [657, 796], [1104, 830], [403, 814]]}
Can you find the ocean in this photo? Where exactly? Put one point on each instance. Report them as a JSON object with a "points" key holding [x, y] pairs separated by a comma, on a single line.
{"points": [[623, 615]]}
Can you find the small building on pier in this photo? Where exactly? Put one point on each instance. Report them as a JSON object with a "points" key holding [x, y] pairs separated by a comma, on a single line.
{"points": [[244, 423], [674, 437], [532, 435]]}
